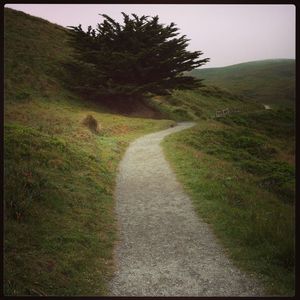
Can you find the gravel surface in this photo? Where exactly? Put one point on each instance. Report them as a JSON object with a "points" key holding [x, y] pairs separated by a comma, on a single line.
{"points": [[164, 248]]}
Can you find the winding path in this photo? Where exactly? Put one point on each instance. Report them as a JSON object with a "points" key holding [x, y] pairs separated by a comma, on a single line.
{"points": [[164, 248]]}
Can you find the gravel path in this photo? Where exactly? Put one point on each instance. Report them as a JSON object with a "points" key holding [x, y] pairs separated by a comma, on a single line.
{"points": [[164, 248]]}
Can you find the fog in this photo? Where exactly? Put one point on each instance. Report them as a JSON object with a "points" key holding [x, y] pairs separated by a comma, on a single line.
{"points": [[227, 34]]}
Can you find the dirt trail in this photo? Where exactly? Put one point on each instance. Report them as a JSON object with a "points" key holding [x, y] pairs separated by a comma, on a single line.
{"points": [[165, 249]]}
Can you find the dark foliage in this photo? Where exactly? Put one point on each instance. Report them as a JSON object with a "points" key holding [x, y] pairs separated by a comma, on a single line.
{"points": [[126, 61]]}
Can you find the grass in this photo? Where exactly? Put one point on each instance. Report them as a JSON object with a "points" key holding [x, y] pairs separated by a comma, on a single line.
{"points": [[61, 154], [34, 52], [60, 170], [249, 152], [263, 122], [59, 182], [200, 104], [267, 81], [242, 183]]}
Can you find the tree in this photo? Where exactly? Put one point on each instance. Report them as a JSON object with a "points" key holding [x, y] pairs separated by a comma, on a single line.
{"points": [[127, 61]]}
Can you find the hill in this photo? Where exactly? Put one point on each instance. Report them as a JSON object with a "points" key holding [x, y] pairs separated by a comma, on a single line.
{"points": [[59, 168], [266, 81], [34, 52], [61, 153], [200, 104]]}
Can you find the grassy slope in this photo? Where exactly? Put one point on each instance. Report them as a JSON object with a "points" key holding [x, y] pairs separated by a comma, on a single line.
{"points": [[200, 104], [59, 176], [240, 173], [267, 81], [66, 173]]}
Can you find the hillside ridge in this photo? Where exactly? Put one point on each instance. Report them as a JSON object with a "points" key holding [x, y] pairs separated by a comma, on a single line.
{"points": [[269, 81], [275, 60]]}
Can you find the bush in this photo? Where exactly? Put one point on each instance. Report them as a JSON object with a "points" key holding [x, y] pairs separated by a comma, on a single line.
{"points": [[180, 113], [90, 122]]}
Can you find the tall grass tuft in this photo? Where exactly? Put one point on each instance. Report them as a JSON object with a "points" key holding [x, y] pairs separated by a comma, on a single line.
{"points": [[90, 122]]}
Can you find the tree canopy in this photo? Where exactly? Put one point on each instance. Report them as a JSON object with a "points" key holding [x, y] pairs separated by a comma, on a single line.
{"points": [[131, 59]]}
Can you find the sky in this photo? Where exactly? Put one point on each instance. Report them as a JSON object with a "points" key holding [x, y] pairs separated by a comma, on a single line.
{"points": [[227, 34]]}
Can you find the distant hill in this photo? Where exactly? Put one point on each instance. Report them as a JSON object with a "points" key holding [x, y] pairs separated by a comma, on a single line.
{"points": [[267, 81]]}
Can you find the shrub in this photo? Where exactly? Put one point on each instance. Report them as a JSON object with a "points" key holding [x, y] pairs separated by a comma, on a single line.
{"points": [[180, 113], [90, 122]]}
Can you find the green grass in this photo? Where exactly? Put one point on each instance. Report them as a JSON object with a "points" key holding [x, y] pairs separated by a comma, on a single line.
{"points": [[267, 81], [251, 152], [60, 225], [242, 182], [200, 104], [263, 122], [34, 52]]}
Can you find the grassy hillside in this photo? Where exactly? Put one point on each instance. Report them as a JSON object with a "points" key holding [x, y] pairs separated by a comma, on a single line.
{"points": [[59, 171], [240, 173], [267, 81], [34, 51], [240, 169], [200, 104]]}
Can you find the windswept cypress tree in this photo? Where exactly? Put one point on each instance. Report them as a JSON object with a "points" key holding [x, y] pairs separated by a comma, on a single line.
{"points": [[126, 61]]}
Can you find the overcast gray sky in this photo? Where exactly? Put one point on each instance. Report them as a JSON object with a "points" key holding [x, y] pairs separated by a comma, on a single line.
{"points": [[227, 34]]}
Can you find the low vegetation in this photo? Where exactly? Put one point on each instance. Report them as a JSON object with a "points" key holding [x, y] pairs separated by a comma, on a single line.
{"points": [[58, 191], [61, 154], [200, 104], [240, 174], [59, 170], [269, 81], [59, 182], [90, 122]]}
